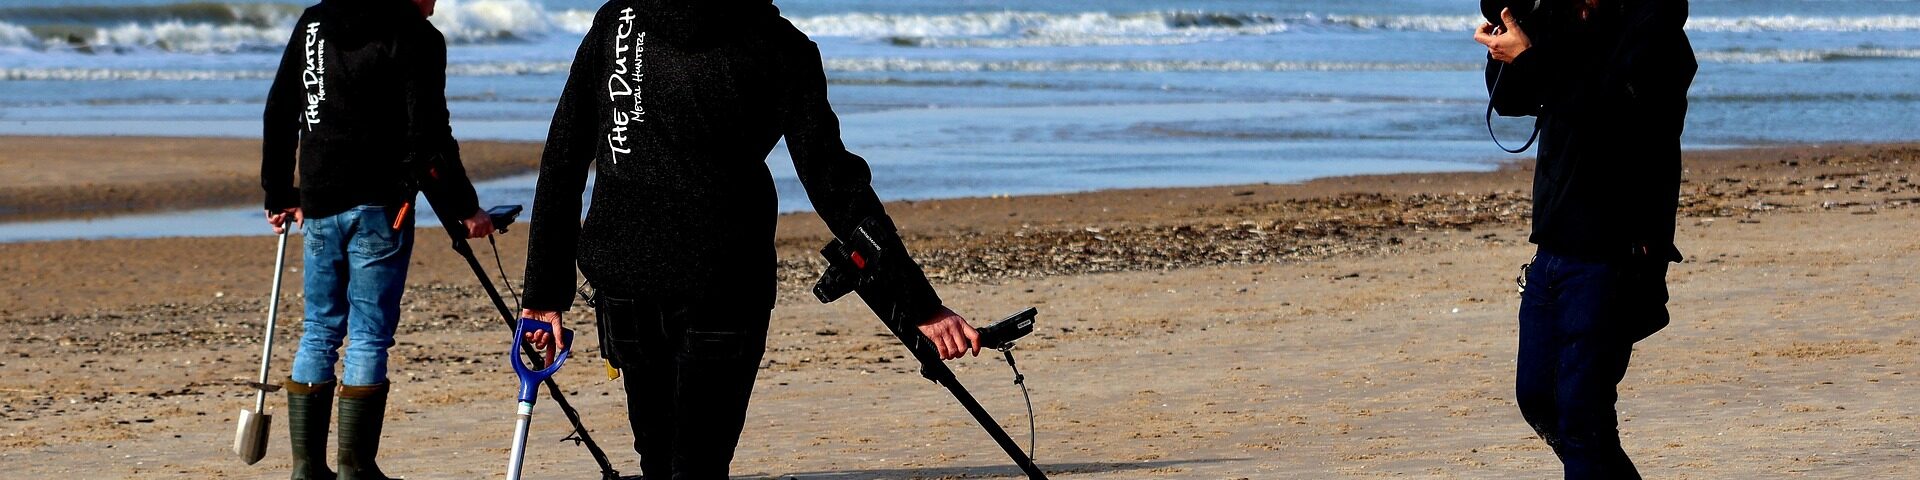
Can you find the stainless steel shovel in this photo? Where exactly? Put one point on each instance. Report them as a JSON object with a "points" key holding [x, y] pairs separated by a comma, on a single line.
{"points": [[250, 439]]}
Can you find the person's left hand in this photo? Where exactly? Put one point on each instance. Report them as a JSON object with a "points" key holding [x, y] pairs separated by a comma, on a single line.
{"points": [[1504, 42], [480, 225], [951, 334]]}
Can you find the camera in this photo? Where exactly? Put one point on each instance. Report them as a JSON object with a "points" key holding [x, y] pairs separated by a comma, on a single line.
{"points": [[1523, 10]]}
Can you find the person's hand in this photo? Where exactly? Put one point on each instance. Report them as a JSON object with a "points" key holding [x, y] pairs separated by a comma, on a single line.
{"points": [[278, 220], [549, 343], [479, 225], [1504, 42], [951, 334]]}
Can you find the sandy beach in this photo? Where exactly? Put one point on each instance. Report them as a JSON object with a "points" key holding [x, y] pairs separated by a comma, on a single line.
{"points": [[1351, 327]]}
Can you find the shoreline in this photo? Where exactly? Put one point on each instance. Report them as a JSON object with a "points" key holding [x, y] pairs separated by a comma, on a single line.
{"points": [[86, 177], [159, 176]]}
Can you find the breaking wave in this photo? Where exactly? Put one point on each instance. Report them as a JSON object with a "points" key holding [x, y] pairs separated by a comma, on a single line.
{"points": [[1805, 55], [947, 66], [906, 65], [212, 28]]}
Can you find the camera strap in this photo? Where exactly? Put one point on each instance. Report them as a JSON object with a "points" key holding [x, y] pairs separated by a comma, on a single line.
{"points": [[1496, 136]]}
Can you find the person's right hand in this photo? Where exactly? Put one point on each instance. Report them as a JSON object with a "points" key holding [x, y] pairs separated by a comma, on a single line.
{"points": [[279, 220], [479, 225], [1504, 42], [545, 342], [951, 334]]}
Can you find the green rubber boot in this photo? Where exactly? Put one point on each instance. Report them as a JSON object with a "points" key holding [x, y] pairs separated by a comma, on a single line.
{"points": [[362, 412], [309, 412]]}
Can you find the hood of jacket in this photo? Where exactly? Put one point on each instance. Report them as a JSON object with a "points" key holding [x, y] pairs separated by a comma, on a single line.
{"points": [[355, 22], [707, 22]]}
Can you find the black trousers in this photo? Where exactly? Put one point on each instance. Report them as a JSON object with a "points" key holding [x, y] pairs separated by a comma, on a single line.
{"points": [[689, 369], [1579, 320]]}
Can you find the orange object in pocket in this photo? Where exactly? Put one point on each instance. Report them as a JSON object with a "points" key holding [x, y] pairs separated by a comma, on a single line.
{"points": [[402, 217]]}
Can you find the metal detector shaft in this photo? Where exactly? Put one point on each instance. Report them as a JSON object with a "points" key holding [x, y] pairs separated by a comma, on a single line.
{"points": [[935, 369]]}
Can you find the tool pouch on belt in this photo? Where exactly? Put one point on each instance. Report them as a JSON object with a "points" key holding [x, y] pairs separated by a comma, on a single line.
{"points": [[620, 329]]}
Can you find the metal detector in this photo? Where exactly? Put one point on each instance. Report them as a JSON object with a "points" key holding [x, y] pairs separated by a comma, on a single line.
{"points": [[858, 268]]}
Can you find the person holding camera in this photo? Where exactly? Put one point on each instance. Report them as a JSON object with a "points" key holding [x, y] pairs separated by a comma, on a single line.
{"points": [[1608, 82], [674, 105], [360, 96]]}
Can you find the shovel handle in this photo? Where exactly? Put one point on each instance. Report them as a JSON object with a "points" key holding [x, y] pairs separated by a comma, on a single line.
{"points": [[273, 313], [529, 378]]}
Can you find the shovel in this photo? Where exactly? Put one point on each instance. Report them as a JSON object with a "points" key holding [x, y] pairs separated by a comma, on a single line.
{"points": [[530, 386], [250, 439]]}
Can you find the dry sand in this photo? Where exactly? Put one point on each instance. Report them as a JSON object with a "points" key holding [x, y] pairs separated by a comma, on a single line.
{"points": [[1348, 327]]}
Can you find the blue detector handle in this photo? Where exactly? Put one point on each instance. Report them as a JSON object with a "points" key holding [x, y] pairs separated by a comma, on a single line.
{"points": [[529, 378]]}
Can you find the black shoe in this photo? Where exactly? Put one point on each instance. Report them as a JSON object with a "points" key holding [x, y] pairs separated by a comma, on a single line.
{"points": [[362, 411], [309, 412]]}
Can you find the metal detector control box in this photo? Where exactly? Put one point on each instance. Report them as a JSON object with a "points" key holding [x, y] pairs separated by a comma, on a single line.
{"points": [[1002, 334]]}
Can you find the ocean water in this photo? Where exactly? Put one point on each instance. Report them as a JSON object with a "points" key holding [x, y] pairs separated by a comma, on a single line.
{"points": [[951, 98]]}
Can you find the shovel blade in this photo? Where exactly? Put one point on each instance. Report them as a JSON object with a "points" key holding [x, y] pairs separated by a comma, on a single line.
{"points": [[250, 440]]}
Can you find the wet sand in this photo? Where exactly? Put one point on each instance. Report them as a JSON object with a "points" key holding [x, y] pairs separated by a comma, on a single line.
{"points": [[81, 177], [1343, 328]]}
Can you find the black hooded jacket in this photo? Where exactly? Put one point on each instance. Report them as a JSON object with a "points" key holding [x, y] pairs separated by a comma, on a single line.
{"points": [[1611, 94], [361, 91], [675, 105]]}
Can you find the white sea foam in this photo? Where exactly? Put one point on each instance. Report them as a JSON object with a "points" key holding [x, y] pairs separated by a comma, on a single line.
{"points": [[906, 65], [255, 27], [477, 21], [944, 66], [213, 28], [1804, 55], [122, 74], [15, 36], [1789, 23]]}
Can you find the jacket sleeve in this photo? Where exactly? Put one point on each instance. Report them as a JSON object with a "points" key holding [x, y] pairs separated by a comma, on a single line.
{"points": [[430, 140], [838, 183], [554, 235], [280, 126], [1518, 89]]}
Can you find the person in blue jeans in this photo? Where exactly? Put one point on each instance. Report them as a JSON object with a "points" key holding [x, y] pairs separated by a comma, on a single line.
{"points": [[1608, 82], [359, 106]]}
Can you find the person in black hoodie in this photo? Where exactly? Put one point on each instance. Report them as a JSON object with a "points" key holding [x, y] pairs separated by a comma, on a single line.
{"points": [[1608, 80], [676, 104], [360, 95]]}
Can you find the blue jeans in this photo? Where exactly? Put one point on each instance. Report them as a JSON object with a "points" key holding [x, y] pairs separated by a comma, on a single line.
{"points": [[1579, 319], [356, 270]]}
